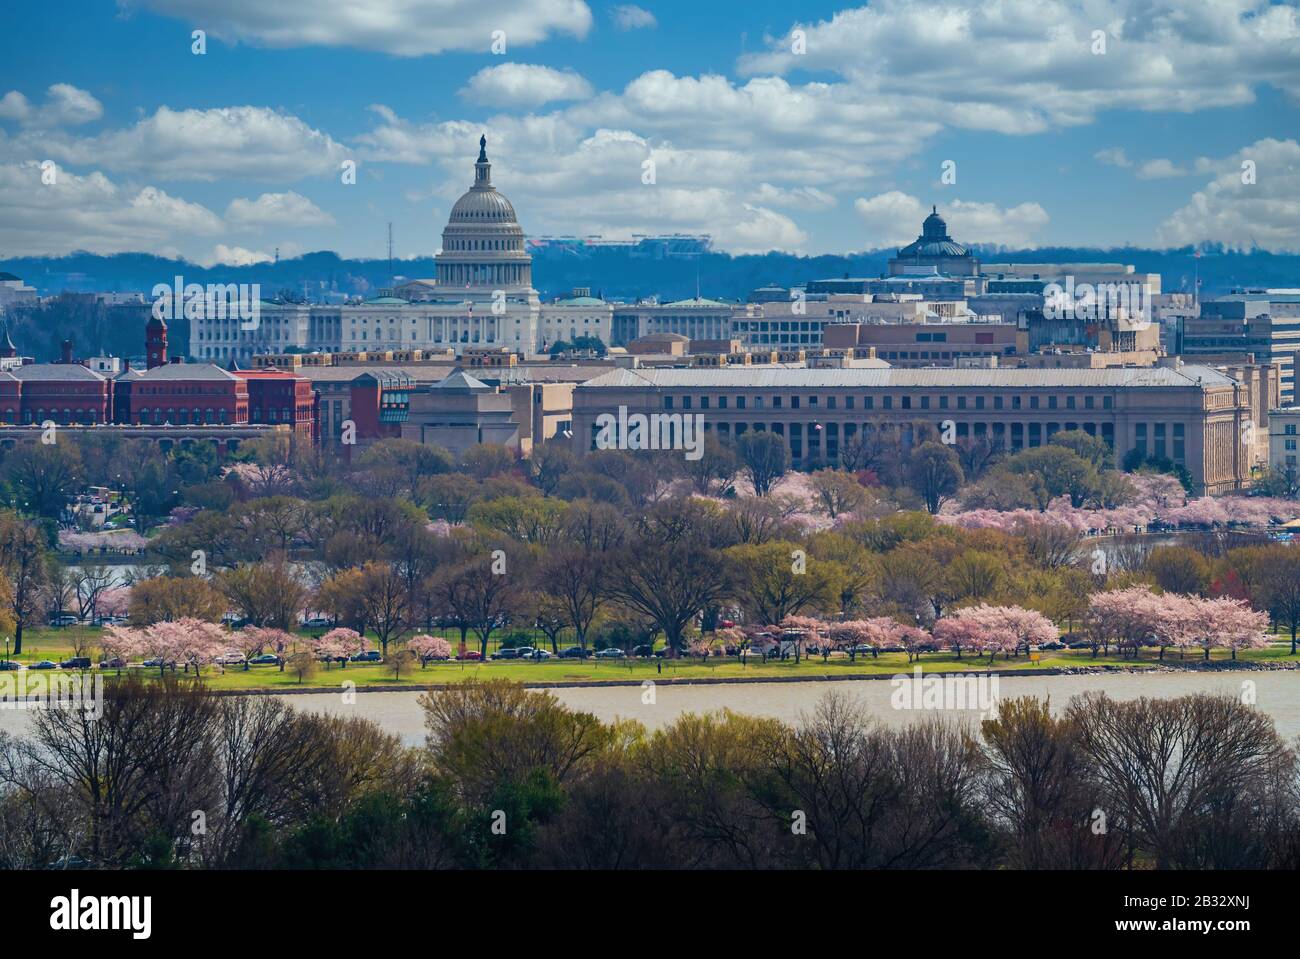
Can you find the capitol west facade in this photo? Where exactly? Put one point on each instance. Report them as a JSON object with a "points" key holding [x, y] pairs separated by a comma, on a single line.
{"points": [[482, 297]]}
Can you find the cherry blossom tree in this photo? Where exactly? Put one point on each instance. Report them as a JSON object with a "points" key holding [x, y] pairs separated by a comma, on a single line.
{"points": [[1158, 498], [960, 630], [253, 640], [1240, 627], [732, 637], [192, 642], [340, 643], [762, 638], [1228, 624], [200, 643], [965, 628], [1133, 617], [914, 640], [702, 645], [1028, 627], [1124, 618], [429, 648], [807, 628], [121, 644], [113, 601]]}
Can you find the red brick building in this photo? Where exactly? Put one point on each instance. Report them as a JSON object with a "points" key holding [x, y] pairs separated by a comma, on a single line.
{"points": [[184, 393], [380, 402], [11, 399], [63, 392], [172, 393], [278, 397]]}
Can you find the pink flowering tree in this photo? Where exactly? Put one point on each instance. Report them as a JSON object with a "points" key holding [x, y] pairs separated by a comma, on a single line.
{"points": [[914, 640], [340, 643], [429, 648], [762, 638], [702, 645], [114, 601], [1228, 624], [998, 633], [201, 642], [733, 637], [189, 641], [803, 629], [1028, 627], [161, 642], [1171, 620], [981, 628], [960, 630], [1124, 618], [1240, 627], [845, 636], [121, 644], [254, 640]]}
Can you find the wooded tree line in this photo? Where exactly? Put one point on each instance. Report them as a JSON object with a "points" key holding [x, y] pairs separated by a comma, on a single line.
{"points": [[171, 776]]}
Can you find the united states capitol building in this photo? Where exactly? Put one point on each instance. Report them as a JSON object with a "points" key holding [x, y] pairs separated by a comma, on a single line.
{"points": [[482, 297]]}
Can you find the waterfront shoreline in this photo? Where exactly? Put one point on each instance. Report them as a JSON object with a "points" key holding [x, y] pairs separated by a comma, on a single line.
{"points": [[1108, 669]]}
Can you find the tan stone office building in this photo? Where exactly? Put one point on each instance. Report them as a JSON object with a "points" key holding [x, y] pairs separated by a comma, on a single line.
{"points": [[1191, 414]]}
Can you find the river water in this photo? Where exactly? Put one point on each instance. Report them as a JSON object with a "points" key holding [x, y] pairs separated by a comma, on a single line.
{"points": [[1275, 692]]}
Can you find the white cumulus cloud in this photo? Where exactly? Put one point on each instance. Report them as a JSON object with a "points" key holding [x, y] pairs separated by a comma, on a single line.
{"points": [[64, 105], [403, 27], [92, 213], [894, 219], [628, 16], [1253, 200], [524, 85], [1113, 156], [1024, 66], [1160, 169], [276, 209], [255, 143], [224, 255]]}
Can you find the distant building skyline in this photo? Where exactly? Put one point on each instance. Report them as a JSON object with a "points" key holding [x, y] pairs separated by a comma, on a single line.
{"points": [[756, 124]]}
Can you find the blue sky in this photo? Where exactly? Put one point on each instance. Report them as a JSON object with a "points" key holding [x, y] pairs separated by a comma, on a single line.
{"points": [[832, 148]]}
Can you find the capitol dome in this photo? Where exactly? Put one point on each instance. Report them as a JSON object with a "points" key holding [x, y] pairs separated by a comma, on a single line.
{"points": [[479, 204], [483, 243]]}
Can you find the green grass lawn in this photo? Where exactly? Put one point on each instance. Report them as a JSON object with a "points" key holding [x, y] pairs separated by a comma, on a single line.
{"points": [[56, 645]]}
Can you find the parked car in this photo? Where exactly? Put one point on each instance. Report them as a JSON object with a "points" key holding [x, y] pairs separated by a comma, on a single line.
{"points": [[536, 654], [610, 652], [155, 663], [506, 654], [524, 652], [574, 652], [115, 663], [469, 654], [64, 619], [643, 651], [45, 664], [230, 658], [111, 620], [369, 656], [10, 666], [266, 659], [316, 622], [76, 662]]}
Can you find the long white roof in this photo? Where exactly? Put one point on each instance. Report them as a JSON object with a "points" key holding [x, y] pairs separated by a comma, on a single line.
{"points": [[786, 378]]}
